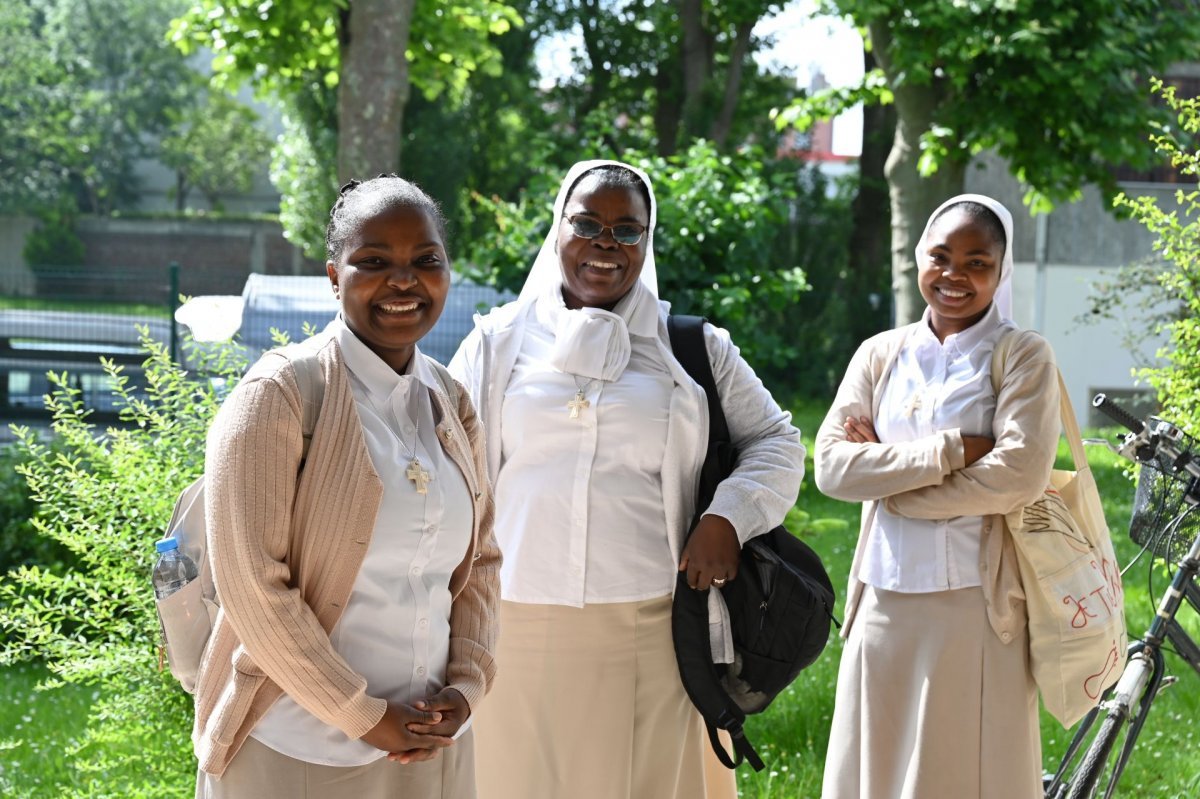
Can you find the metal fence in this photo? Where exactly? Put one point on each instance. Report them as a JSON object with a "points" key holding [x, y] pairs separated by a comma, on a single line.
{"points": [[77, 317]]}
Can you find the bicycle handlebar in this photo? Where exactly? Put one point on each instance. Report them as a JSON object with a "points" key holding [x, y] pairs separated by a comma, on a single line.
{"points": [[1118, 414]]}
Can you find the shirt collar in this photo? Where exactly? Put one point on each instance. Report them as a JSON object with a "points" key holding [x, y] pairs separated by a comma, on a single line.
{"points": [[966, 341], [379, 379]]}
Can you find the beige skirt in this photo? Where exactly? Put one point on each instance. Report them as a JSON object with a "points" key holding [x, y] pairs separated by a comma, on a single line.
{"points": [[587, 704], [259, 772], [931, 704]]}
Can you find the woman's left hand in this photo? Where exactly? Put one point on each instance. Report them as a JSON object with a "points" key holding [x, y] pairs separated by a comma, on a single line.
{"points": [[711, 554], [454, 709]]}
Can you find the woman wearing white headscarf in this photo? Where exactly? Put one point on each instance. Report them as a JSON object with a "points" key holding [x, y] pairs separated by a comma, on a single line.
{"points": [[595, 439], [934, 696]]}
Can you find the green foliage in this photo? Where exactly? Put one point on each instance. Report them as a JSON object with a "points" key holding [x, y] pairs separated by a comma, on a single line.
{"points": [[738, 238], [293, 52], [1178, 242], [216, 146], [1056, 88], [87, 84], [106, 496], [284, 47], [20, 545], [302, 168], [54, 241]]}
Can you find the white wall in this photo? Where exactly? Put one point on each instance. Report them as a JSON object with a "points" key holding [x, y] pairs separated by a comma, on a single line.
{"points": [[1083, 243], [1091, 355]]}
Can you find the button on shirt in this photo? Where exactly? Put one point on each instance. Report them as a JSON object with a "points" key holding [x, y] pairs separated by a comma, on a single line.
{"points": [[579, 506], [933, 386], [395, 630]]}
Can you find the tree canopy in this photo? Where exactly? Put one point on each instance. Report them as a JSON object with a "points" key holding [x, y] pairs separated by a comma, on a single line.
{"points": [[1057, 87]]}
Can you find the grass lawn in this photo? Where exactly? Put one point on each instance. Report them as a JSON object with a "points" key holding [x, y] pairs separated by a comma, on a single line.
{"points": [[37, 728], [793, 733]]}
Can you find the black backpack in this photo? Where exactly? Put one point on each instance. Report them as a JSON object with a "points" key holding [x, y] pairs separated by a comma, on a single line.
{"points": [[780, 605]]}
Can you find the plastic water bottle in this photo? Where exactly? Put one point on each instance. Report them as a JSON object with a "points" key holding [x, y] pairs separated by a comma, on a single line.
{"points": [[173, 570]]}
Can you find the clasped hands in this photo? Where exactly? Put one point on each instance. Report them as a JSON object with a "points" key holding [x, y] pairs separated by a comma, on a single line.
{"points": [[416, 732]]}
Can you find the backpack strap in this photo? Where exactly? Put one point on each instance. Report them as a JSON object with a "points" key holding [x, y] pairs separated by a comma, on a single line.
{"points": [[446, 380], [311, 382], [686, 334]]}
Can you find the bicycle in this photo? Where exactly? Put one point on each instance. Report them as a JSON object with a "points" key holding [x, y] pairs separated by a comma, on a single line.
{"points": [[1166, 521]]}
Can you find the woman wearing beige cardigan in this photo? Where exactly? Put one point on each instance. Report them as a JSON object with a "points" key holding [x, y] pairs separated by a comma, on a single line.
{"points": [[358, 578], [935, 697]]}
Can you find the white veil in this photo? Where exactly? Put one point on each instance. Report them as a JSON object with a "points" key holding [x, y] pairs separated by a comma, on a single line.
{"points": [[1003, 298], [546, 270]]}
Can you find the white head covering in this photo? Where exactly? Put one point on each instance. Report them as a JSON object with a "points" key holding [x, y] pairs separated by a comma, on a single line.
{"points": [[592, 342], [546, 268], [1003, 297]]}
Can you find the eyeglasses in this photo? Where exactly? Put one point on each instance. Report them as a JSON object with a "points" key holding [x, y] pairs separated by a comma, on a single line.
{"points": [[587, 228]]}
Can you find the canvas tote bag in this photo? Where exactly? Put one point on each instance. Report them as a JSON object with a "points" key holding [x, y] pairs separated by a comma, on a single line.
{"points": [[1072, 582]]}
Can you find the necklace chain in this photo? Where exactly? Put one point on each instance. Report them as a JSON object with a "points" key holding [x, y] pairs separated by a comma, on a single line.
{"points": [[579, 402], [417, 474]]}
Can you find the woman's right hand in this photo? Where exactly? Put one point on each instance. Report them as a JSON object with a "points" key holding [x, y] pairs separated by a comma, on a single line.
{"points": [[392, 734], [975, 447]]}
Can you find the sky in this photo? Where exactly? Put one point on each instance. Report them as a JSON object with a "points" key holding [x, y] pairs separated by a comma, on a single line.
{"points": [[804, 44]]}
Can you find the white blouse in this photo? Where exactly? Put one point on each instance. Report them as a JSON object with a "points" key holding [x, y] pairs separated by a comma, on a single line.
{"points": [[933, 386], [395, 630], [579, 501]]}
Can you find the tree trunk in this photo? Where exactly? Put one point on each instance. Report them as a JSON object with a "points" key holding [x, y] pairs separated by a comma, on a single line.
{"points": [[599, 75], [668, 106], [697, 66], [372, 87], [733, 82], [913, 197], [866, 284]]}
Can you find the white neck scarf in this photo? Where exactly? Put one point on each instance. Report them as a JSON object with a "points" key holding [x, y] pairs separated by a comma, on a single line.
{"points": [[592, 342], [1003, 297]]}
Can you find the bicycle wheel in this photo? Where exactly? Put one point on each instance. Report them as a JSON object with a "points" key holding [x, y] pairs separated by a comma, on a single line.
{"points": [[1086, 782]]}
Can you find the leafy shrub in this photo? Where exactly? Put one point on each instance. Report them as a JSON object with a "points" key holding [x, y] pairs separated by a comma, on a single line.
{"points": [[20, 544], [106, 496], [54, 241], [1177, 380], [738, 238]]}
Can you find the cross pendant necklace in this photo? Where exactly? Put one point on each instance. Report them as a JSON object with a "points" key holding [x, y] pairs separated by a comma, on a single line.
{"points": [[417, 474], [577, 405], [913, 405]]}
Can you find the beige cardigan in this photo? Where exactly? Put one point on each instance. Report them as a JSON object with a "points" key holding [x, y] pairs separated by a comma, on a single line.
{"points": [[926, 478], [285, 554]]}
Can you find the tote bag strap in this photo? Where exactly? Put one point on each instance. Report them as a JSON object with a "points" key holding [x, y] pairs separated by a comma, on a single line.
{"points": [[1066, 411]]}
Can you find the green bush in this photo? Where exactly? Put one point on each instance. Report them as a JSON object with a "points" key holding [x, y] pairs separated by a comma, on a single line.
{"points": [[1177, 380], [106, 496], [54, 241], [20, 544], [739, 237]]}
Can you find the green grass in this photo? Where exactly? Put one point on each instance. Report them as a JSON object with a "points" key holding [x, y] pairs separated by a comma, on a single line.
{"points": [[37, 728], [793, 733]]}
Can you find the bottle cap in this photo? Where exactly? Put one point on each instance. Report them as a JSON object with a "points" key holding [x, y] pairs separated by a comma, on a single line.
{"points": [[166, 544]]}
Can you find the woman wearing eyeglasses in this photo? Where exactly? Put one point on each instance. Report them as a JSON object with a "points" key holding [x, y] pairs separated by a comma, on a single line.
{"points": [[595, 439]]}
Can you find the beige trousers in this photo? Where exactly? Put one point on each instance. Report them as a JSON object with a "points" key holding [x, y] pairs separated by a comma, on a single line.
{"points": [[588, 704], [259, 772], [931, 704]]}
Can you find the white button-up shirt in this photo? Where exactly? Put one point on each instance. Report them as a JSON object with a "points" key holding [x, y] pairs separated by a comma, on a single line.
{"points": [[934, 386], [395, 630], [579, 502]]}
